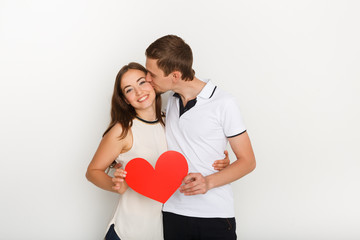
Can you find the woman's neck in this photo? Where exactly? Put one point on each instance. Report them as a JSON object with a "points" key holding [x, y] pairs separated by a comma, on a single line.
{"points": [[147, 114]]}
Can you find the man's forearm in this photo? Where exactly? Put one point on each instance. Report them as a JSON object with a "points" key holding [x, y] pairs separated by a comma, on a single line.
{"points": [[233, 172]]}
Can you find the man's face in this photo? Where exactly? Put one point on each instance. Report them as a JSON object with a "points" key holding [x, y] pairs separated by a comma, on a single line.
{"points": [[156, 77]]}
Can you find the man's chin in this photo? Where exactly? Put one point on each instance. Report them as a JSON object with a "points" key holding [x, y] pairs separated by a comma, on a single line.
{"points": [[158, 91]]}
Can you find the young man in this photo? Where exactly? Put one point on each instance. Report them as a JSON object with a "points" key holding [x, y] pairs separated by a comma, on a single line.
{"points": [[200, 120]]}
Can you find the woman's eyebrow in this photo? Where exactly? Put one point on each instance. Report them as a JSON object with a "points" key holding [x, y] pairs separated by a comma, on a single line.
{"points": [[140, 79], [136, 81]]}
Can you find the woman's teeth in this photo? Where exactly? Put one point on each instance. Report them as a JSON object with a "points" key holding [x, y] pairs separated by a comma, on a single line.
{"points": [[143, 98]]}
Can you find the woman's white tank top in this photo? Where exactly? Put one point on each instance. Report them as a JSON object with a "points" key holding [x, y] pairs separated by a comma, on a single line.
{"points": [[138, 217]]}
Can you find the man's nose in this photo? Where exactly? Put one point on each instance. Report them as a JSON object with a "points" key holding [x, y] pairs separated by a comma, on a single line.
{"points": [[148, 77]]}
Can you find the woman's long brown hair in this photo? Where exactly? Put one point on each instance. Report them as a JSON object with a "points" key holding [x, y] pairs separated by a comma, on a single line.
{"points": [[124, 113]]}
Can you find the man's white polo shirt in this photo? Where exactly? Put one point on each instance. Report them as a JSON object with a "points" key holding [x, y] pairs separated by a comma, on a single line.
{"points": [[200, 134]]}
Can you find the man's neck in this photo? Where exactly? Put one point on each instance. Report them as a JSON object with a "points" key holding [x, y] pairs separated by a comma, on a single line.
{"points": [[189, 90]]}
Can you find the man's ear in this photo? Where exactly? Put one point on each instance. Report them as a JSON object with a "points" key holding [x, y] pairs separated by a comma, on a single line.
{"points": [[176, 76]]}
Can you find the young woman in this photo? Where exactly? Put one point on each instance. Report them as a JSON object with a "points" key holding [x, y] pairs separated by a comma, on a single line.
{"points": [[136, 130]]}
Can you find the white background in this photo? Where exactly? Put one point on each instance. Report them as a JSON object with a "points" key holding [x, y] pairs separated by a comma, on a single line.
{"points": [[292, 65]]}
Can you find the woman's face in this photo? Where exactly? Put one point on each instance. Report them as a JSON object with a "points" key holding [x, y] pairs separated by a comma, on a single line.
{"points": [[138, 92]]}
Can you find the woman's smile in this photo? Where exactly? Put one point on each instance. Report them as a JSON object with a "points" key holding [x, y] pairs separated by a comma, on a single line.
{"points": [[143, 98]]}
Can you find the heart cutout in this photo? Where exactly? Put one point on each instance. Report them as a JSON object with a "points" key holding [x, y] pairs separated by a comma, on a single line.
{"points": [[159, 183]]}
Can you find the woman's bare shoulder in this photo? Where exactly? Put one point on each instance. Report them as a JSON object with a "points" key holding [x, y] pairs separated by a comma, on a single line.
{"points": [[114, 135]]}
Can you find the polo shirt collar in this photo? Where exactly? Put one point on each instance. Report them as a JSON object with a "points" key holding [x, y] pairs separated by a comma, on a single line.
{"points": [[207, 91]]}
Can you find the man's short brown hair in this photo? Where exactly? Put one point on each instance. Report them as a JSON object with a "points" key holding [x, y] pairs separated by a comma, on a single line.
{"points": [[172, 54]]}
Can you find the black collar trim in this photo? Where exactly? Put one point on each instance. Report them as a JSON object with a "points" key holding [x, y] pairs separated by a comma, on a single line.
{"points": [[146, 121], [213, 92]]}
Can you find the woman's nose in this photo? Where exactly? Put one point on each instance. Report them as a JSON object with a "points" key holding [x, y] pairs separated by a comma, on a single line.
{"points": [[138, 91]]}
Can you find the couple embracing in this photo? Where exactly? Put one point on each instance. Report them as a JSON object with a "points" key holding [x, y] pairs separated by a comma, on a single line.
{"points": [[200, 120]]}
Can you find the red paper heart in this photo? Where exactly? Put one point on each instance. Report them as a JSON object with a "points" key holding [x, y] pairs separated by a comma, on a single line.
{"points": [[159, 183]]}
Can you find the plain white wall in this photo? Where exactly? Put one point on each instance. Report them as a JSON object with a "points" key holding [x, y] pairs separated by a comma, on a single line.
{"points": [[293, 66]]}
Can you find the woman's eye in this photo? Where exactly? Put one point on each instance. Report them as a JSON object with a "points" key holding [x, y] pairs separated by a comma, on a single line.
{"points": [[142, 82], [128, 90]]}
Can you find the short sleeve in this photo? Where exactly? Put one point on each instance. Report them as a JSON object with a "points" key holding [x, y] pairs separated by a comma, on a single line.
{"points": [[231, 119]]}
